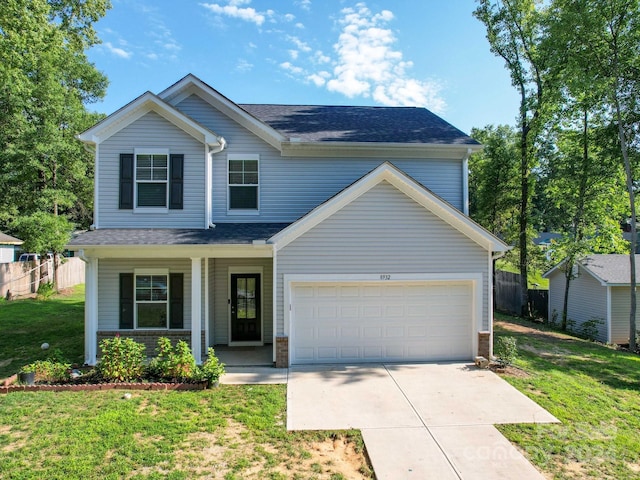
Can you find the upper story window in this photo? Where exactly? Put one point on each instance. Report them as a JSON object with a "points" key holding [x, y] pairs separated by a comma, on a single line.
{"points": [[152, 179], [244, 183]]}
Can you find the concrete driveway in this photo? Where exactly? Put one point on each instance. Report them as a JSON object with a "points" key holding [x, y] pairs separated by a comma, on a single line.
{"points": [[418, 421]]}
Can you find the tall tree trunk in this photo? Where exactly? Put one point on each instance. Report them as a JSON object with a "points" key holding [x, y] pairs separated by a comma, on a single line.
{"points": [[524, 209]]}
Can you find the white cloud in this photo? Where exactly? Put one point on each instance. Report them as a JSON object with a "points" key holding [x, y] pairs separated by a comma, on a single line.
{"points": [[291, 68], [300, 25], [294, 54], [118, 52], [367, 64], [243, 66], [302, 46], [319, 78], [304, 4], [233, 10], [289, 17]]}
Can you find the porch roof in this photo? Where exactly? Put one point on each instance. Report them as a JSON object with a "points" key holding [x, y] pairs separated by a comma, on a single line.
{"points": [[222, 234]]}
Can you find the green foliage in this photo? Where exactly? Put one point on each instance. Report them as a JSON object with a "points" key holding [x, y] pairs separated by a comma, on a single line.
{"points": [[173, 363], [46, 290], [55, 369], [46, 80], [506, 351], [122, 359], [43, 232], [589, 328], [212, 369]]}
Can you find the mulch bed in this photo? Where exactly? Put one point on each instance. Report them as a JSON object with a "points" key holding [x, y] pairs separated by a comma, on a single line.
{"points": [[9, 386]]}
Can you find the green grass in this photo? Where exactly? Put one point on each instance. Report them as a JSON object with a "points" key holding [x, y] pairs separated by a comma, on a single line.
{"points": [[26, 324], [592, 389], [534, 277], [231, 432]]}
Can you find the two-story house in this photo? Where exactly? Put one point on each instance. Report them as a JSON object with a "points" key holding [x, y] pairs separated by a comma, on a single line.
{"points": [[337, 234]]}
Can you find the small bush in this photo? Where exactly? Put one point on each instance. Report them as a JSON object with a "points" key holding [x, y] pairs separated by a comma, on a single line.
{"points": [[589, 329], [173, 363], [506, 351], [48, 371], [122, 359], [212, 369], [45, 291]]}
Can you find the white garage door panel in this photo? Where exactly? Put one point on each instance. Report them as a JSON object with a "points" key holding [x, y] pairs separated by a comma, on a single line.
{"points": [[360, 322]]}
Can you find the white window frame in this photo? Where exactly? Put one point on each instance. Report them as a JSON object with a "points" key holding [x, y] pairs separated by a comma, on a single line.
{"points": [[149, 271], [237, 211], [149, 151]]}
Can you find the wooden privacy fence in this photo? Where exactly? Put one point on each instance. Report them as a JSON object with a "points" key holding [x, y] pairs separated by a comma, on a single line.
{"points": [[23, 278], [508, 299]]}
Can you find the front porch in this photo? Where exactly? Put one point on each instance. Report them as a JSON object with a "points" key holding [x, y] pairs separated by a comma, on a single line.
{"points": [[261, 356]]}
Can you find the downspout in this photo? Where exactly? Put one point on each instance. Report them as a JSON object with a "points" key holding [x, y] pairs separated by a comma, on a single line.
{"points": [[465, 182], [210, 152]]}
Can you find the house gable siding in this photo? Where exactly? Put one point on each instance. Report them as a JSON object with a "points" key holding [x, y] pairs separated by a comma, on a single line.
{"points": [[620, 313], [382, 232], [290, 187], [151, 131], [587, 300]]}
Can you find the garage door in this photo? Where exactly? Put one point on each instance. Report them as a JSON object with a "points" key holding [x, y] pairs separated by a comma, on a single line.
{"points": [[354, 322]]}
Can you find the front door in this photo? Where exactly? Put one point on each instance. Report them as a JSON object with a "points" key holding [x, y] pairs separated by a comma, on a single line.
{"points": [[246, 319]]}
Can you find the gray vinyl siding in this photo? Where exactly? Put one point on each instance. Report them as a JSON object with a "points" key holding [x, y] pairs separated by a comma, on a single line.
{"points": [[620, 312], [383, 231], [219, 296], [587, 300], [290, 187], [151, 131], [109, 286]]}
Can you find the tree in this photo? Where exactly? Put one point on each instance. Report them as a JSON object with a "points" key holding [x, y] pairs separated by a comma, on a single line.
{"points": [[493, 181], [605, 43], [45, 81], [515, 29], [45, 233]]}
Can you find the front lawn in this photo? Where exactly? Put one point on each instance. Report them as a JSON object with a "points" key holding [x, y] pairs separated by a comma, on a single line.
{"points": [[231, 432], [26, 324], [592, 389]]}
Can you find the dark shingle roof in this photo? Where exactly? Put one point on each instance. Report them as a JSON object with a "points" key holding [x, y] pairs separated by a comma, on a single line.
{"points": [[612, 268], [222, 234], [358, 124]]}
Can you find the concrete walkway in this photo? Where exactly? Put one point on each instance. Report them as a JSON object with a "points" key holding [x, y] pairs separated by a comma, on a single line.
{"points": [[418, 421]]}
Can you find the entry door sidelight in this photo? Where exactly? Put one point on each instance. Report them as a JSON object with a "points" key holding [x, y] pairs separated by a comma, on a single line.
{"points": [[246, 318]]}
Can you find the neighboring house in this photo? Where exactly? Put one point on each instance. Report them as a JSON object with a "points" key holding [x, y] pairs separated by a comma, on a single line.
{"points": [[8, 247], [336, 234], [601, 290]]}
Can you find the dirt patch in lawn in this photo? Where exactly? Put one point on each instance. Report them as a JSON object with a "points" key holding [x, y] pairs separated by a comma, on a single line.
{"points": [[230, 452], [517, 328]]}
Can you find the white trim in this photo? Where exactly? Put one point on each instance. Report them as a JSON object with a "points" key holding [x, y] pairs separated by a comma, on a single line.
{"points": [[475, 279], [249, 211], [387, 172], [208, 186], [150, 151], [246, 269], [489, 298], [274, 293], [207, 339], [91, 312], [376, 150], [145, 103], [192, 85], [609, 318], [150, 271], [196, 308], [177, 251], [465, 183]]}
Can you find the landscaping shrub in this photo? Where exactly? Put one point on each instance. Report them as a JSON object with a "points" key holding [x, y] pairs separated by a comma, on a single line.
{"points": [[212, 369], [122, 359], [173, 363], [506, 351]]}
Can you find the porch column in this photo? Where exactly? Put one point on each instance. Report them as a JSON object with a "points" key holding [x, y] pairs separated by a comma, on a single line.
{"points": [[196, 308], [91, 311]]}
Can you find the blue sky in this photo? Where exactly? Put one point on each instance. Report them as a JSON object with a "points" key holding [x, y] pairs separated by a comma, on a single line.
{"points": [[430, 53]]}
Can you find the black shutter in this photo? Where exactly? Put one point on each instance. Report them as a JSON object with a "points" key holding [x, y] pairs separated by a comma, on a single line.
{"points": [[126, 300], [126, 181], [176, 307], [176, 182]]}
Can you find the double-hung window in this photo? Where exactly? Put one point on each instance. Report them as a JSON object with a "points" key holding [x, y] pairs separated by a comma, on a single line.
{"points": [[151, 298], [152, 176], [244, 184]]}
